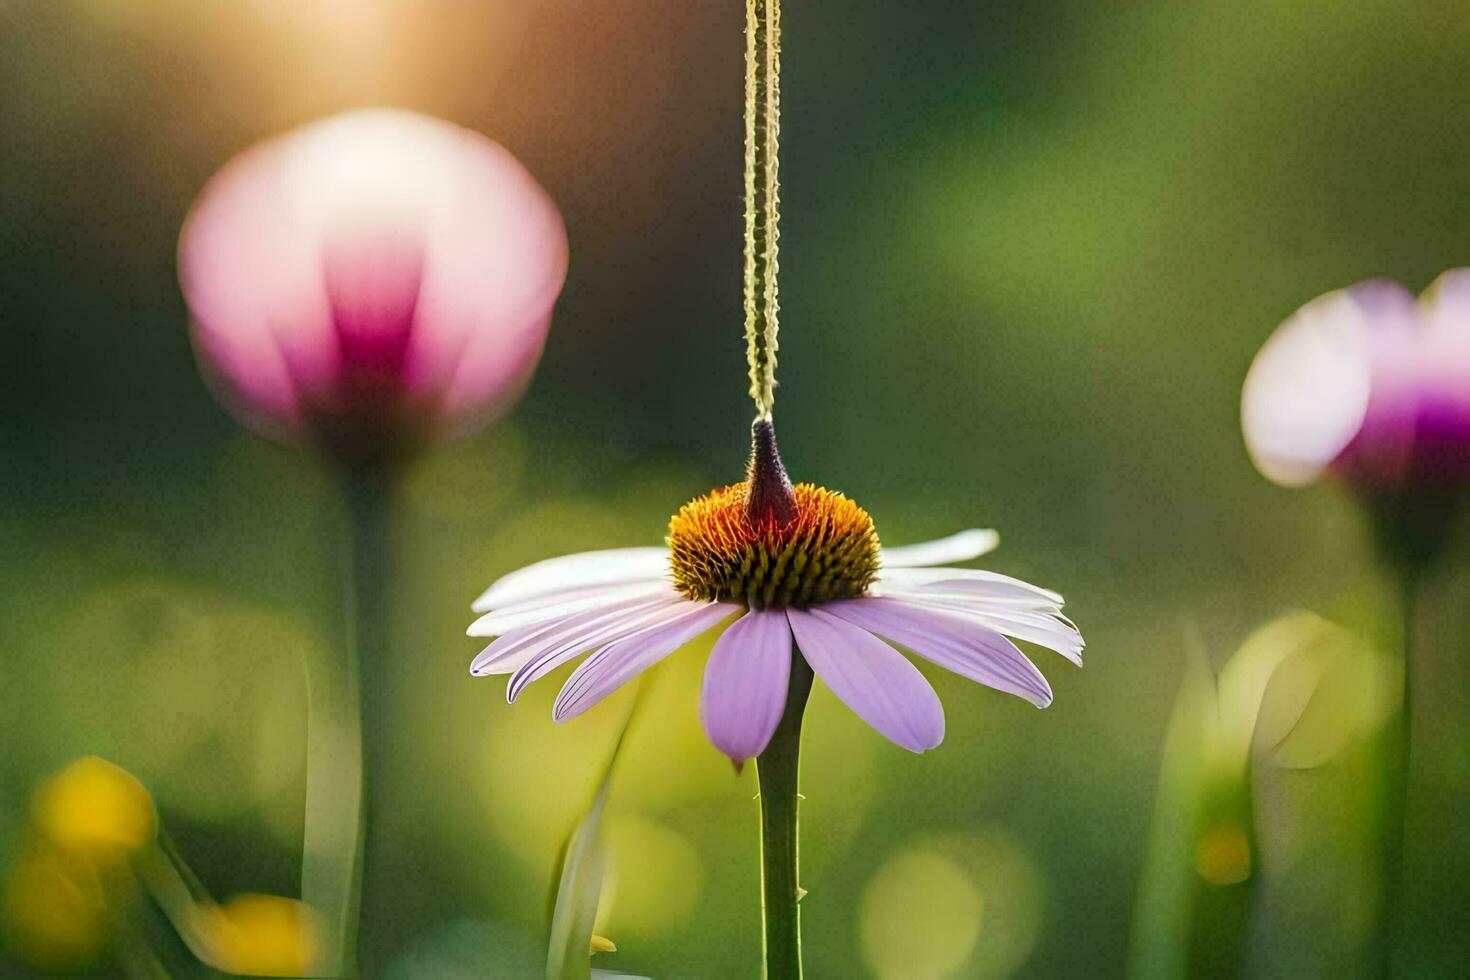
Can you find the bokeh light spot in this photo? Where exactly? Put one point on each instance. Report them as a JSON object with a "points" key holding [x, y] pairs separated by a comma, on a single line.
{"points": [[1223, 855], [654, 878], [920, 918]]}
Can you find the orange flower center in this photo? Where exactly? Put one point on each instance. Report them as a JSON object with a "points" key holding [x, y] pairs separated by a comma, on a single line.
{"points": [[827, 551]]}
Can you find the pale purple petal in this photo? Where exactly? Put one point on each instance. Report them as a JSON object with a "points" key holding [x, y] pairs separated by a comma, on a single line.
{"points": [[967, 648], [745, 682], [544, 662], [549, 600], [1049, 629], [516, 649], [558, 605], [870, 677], [963, 546], [508, 651], [614, 665], [615, 565]]}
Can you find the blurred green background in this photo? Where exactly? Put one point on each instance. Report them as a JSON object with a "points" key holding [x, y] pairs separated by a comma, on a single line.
{"points": [[1028, 253]]}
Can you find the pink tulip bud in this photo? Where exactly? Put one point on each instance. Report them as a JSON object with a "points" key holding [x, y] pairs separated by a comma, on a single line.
{"points": [[371, 282], [1369, 384]]}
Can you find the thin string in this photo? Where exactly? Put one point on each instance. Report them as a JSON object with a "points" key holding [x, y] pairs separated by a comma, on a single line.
{"points": [[762, 195]]}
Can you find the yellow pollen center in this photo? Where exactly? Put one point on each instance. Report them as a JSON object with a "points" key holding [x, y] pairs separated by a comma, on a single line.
{"points": [[829, 550]]}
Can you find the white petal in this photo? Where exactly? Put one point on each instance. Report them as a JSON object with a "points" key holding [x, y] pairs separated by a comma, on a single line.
{"points": [[574, 571], [1050, 630], [561, 604], [957, 547], [967, 581], [616, 664]]}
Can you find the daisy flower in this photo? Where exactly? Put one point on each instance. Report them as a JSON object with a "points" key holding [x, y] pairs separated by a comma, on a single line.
{"points": [[796, 572], [800, 572]]}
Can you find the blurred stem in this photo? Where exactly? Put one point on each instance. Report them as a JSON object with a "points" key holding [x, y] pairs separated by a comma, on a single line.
{"points": [[1397, 762], [136, 960], [340, 847], [777, 768], [370, 493], [177, 891]]}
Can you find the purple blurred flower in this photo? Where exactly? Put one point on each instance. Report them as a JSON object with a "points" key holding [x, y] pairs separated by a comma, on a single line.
{"points": [[371, 282], [1369, 383], [625, 606]]}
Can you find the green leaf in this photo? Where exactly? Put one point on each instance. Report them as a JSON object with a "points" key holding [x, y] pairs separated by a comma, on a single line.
{"points": [[583, 870], [1159, 945]]}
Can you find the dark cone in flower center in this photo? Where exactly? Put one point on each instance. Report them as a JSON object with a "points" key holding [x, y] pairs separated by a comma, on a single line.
{"points": [[766, 543], [770, 498]]}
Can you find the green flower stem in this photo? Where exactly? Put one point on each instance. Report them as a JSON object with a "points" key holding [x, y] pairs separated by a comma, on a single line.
{"points": [[347, 702], [777, 768]]}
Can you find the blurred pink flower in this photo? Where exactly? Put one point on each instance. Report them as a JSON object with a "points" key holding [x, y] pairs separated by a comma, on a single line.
{"points": [[371, 282], [1368, 383]]}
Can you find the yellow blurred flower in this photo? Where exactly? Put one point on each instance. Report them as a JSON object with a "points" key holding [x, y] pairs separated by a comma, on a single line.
{"points": [[92, 807], [72, 879], [56, 909], [260, 936]]}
